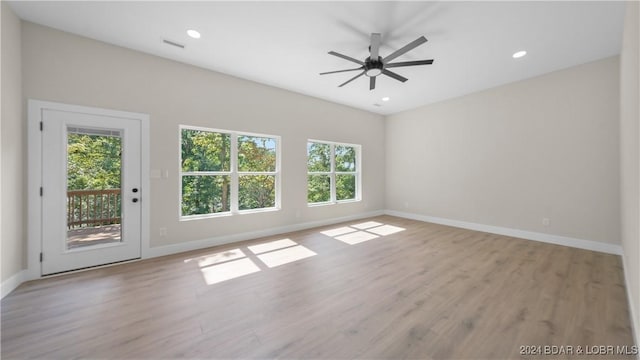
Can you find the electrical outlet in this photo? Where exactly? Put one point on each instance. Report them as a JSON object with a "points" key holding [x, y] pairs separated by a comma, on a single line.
{"points": [[545, 221], [163, 231], [406, 204]]}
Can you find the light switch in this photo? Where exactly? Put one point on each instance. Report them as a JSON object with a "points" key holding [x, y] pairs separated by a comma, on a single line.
{"points": [[155, 173]]}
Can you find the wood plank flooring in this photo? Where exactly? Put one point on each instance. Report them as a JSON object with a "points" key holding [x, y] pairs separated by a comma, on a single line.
{"points": [[383, 288]]}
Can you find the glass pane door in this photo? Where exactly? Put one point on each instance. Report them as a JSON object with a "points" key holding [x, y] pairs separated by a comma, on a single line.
{"points": [[91, 194]]}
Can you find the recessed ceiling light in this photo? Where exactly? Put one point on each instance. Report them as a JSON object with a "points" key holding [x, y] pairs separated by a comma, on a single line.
{"points": [[194, 34], [386, 98], [519, 54]]}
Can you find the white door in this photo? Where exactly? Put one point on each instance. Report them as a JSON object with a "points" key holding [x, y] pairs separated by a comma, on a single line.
{"points": [[91, 194]]}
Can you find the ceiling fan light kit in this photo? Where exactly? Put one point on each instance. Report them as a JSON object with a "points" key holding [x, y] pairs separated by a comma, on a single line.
{"points": [[375, 65]]}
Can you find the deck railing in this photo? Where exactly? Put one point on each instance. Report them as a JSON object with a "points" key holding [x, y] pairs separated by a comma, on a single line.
{"points": [[87, 208]]}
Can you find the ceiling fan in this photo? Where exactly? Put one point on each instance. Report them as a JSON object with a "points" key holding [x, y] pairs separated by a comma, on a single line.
{"points": [[375, 65]]}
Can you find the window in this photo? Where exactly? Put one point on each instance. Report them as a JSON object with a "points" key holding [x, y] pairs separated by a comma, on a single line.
{"points": [[333, 172], [225, 172], [256, 172]]}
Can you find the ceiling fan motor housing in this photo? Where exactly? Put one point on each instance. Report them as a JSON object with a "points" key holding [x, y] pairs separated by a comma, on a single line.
{"points": [[373, 68]]}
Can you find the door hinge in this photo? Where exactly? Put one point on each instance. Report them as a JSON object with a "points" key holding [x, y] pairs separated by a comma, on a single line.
{"points": [[41, 126], [41, 257], [41, 191]]}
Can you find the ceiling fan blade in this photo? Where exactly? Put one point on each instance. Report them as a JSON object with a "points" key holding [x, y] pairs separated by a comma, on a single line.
{"points": [[410, 46], [350, 80], [346, 57], [409, 63], [394, 75], [372, 83], [339, 71], [375, 46]]}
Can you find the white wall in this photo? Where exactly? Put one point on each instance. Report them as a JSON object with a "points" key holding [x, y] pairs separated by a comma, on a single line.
{"points": [[13, 148], [67, 68], [630, 155], [2, 5], [546, 147]]}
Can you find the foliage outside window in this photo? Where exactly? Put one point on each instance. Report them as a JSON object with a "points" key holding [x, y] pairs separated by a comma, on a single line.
{"points": [[333, 172], [93, 163], [226, 172]]}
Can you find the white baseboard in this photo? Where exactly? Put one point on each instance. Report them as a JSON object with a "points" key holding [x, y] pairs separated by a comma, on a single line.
{"points": [[635, 326], [12, 283], [228, 239], [528, 235]]}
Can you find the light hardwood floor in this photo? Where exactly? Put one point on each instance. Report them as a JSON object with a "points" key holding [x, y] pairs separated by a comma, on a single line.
{"points": [[412, 290]]}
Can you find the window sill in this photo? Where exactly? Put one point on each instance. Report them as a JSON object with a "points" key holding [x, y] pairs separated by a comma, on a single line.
{"points": [[257, 211], [205, 216], [333, 203], [226, 214]]}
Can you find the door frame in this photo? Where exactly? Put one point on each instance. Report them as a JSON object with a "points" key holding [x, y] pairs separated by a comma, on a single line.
{"points": [[34, 175]]}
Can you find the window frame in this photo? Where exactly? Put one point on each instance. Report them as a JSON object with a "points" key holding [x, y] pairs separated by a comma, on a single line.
{"points": [[332, 173], [233, 174]]}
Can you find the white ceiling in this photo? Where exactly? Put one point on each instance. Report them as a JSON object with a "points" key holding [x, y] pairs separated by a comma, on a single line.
{"points": [[285, 44]]}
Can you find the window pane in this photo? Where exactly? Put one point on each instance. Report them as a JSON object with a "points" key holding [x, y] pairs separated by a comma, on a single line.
{"points": [[205, 151], [256, 153], [318, 157], [256, 192], [93, 187], [205, 194], [319, 188], [345, 158], [345, 187]]}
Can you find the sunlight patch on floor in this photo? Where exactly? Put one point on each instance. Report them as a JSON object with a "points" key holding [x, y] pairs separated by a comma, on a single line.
{"points": [[366, 225], [230, 270], [285, 256], [271, 245], [385, 230], [356, 237], [339, 231], [220, 257], [359, 233], [234, 263]]}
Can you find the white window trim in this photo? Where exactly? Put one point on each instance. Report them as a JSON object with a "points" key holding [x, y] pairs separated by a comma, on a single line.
{"points": [[233, 173], [332, 174]]}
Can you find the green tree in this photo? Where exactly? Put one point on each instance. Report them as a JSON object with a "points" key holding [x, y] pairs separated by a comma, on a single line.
{"points": [[93, 162], [205, 151], [346, 163], [256, 155], [318, 161], [319, 168]]}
